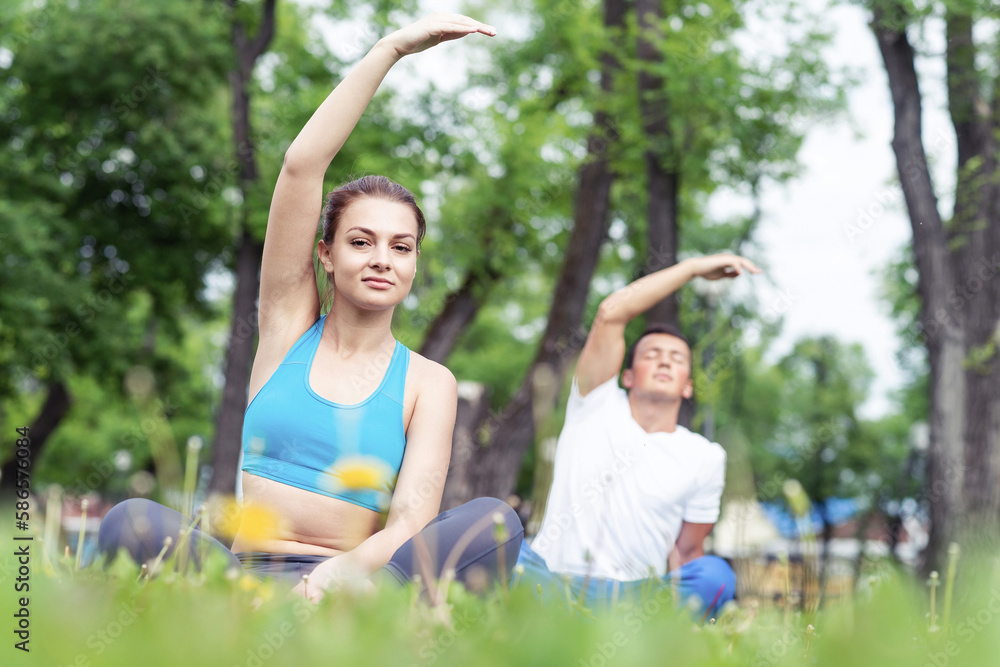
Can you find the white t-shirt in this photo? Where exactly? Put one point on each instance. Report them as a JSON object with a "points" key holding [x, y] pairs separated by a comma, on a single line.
{"points": [[619, 495]]}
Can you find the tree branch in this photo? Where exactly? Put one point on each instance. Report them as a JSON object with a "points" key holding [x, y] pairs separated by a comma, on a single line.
{"points": [[969, 112], [265, 33]]}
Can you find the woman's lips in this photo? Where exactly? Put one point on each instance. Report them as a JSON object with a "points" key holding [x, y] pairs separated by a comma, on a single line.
{"points": [[378, 283]]}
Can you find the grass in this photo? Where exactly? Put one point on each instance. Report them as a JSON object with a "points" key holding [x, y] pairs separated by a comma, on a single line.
{"points": [[119, 617]]}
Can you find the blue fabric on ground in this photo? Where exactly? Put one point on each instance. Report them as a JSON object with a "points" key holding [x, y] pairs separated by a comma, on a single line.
{"points": [[710, 579]]}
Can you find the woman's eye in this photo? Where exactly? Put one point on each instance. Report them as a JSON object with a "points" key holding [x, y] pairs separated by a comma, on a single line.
{"points": [[359, 242], [403, 248]]}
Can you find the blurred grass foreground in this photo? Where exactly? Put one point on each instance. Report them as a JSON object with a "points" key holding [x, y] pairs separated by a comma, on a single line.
{"points": [[80, 615]]}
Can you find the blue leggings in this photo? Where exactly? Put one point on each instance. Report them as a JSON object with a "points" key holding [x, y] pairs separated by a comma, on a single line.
{"points": [[140, 526], [709, 579]]}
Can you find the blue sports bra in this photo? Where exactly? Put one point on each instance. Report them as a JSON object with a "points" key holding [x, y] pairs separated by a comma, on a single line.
{"points": [[295, 436]]}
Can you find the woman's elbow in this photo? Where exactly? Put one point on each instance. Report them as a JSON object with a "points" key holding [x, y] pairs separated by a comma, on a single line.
{"points": [[299, 162], [292, 161]]}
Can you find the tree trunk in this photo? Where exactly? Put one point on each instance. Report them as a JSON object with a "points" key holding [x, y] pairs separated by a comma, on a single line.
{"points": [[56, 406], [513, 432], [662, 177], [239, 355], [960, 303], [975, 237], [460, 308], [824, 563], [239, 358], [662, 172], [473, 406]]}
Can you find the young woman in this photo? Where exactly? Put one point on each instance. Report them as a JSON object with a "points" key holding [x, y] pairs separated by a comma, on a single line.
{"points": [[343, 422]]}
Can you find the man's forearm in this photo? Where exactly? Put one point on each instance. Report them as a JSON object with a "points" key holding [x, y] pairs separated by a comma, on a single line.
{"points": [[644, 293], [679, 558]]}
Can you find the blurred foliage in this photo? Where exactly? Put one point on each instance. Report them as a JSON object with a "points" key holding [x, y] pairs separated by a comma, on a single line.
{"points": [[119, 203], [104, 121], [116, 617]]}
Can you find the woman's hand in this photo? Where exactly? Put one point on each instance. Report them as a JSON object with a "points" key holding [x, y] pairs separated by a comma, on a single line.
{"points": [[725, 265], [330, 575], [431, 31]]}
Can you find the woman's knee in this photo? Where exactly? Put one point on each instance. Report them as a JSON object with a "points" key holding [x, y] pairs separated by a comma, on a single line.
{"points": [[110, 530], [121, 522], [500, 511]]}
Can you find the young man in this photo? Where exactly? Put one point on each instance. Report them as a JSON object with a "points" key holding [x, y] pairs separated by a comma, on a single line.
{"points": [[632, 489]]}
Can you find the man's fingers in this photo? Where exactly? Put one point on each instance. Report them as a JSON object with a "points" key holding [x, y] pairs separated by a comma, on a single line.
{"points": [[736, 264]]}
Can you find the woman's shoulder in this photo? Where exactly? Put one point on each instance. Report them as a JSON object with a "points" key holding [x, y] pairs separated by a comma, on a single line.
{"points": [[430, 375]]}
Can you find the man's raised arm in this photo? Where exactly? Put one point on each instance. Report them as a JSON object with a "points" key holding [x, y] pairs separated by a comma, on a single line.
{"points": [[604, 351]]}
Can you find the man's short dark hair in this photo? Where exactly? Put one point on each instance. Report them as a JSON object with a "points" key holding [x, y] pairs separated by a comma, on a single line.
{"points": [[668, 329]]}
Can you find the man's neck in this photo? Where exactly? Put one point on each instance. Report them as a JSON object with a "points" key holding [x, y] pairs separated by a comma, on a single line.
{"points": [[655, 416]]}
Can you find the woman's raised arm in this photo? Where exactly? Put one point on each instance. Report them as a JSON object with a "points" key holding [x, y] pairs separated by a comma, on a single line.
{"points": [[288, 291]]}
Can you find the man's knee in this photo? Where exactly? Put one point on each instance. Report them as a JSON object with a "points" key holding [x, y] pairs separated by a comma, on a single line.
{"points": [[710, 578], [717, 570]]}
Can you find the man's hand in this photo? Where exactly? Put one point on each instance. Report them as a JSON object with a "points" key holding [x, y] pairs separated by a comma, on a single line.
{"points": [[724, 265], [602, 355], [690, 543]]}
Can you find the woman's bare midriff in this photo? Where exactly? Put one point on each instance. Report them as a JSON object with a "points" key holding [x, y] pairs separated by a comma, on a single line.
{"points": [[310, 523]]}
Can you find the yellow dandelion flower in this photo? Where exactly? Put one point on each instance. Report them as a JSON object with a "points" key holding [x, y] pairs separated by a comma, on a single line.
{"points": [[247, 583], [253, 521], [265, 590], [358, 472]]}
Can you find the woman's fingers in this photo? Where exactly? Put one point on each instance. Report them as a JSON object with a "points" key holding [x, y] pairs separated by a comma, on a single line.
{"points": [[456, 30], [465, 21], [436, 28]]}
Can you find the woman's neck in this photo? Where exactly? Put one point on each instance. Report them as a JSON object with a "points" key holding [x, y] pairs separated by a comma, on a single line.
{"points": [[352, 330]]}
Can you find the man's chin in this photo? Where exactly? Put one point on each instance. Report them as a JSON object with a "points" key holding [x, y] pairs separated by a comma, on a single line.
{"points": [[658, 395]]}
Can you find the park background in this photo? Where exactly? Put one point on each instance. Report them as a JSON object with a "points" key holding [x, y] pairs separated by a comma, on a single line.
{"points": [[586, 145]]}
